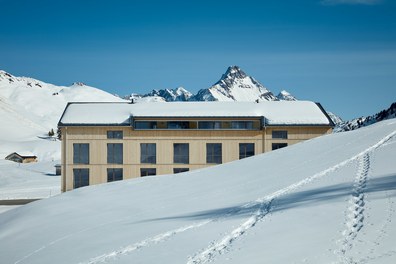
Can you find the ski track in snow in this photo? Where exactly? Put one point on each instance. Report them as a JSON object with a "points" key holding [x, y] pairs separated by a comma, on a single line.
{"points": [[144, 243], [355, 212], [222, 245]]}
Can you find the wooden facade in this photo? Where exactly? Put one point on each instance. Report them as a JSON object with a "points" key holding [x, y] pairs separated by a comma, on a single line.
{"points": [[97, 138], [21, 158]]}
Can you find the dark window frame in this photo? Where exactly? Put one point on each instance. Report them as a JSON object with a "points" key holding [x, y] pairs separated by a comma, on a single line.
{"points": [[80, 178], [246, 150], [209, 125], [79, 154], [181, 153], [148, 172], [112, 157], [178, 125], [280, 134], [145, 156], [180, 170], [211, 156], [115, 134], [115, 174], [242, 125], [276, 146], [145, 125]]}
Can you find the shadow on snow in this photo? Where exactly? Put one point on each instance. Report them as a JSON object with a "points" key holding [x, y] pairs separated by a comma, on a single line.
{"points": [[296, 199]]}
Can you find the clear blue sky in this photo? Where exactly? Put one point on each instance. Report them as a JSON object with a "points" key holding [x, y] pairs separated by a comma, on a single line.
{"points": [[341, 53]]}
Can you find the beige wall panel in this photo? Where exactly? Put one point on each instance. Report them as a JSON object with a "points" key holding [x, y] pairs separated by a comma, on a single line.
{"points": [[96, 137]]}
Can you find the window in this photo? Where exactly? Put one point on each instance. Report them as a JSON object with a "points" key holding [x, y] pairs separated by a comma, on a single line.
{"points": [[181, 153], [281, 134], [213, 153], [114, 134], [148, 153], [194, 124], [242, 125], [114, 153], [209, 125], [80, 178], [180, 170], [278, 145], [80, 153], [246, 150], [178, 125], [147, 172], [114, 175], [145, 125]]}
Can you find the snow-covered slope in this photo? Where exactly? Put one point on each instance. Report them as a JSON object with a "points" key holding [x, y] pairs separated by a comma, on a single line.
{"points": [[365, 121], [30, 108], [235, 85], [327, 200]]}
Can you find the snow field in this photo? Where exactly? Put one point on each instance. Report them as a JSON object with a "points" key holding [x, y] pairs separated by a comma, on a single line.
{"points": [[250, 211]]}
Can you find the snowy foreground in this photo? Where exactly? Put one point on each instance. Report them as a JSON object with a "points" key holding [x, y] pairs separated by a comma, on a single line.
{"points": [[327, 200]]}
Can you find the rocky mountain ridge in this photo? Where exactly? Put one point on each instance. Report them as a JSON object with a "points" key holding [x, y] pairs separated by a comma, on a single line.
{"points": [[234, 85], [368, 120]]}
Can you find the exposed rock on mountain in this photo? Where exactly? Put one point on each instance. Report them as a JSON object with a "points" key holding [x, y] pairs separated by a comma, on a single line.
{"points": [[368, 120], [235, 85], [171, 95]]}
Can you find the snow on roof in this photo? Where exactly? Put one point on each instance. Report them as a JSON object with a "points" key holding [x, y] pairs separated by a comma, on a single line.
{"points": [[274, 112], [23, 154]]}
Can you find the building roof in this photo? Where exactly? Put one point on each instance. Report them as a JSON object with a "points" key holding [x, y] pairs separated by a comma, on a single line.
{"points": [[25, 154], [274, 112]]}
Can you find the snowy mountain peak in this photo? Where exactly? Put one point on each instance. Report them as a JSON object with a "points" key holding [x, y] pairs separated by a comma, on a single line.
{"points": [[285, 96], [234, 72], [171, 95], [180, 91], [78, 84], [235, 85], [8, 78]]}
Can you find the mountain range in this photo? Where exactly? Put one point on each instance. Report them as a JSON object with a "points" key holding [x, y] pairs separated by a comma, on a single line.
{"points": [[30, 108], [368, 120], [234, 85]]}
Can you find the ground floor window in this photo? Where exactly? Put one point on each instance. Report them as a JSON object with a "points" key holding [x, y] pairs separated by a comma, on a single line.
{"points": [[278, 145], [114, 175], [148, 172], [80, 178], [246, 150], [179, 170]]}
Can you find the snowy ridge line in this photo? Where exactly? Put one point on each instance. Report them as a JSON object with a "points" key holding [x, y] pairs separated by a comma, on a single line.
{"points": [[219, 247], [144, 243], [355, 217]]}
